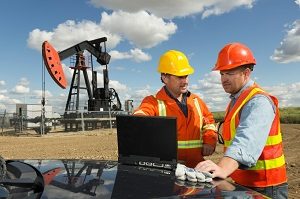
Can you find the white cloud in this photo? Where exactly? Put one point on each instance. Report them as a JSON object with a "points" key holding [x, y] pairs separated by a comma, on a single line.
{"points": [[142, 29], [138, 94], [21, 87], [135, 54], [2, 107], [117, 85], [3, 91], [38, 94], [143, 93], [289, 50], [297, 2], [70, 33], [139, 22], [211, 91], [3, 97], [2, 83], [139, 55], [219, 7], [8, 104], [37, 37], [58, 102], [287, 94], [119, 55], [24, 81], [175, 8]]}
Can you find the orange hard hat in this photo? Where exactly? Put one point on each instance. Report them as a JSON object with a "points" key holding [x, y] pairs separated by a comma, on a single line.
{"points": [[234, 55]]}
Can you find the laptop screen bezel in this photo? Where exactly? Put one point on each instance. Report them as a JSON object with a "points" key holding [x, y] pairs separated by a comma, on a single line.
{"points": [[147, 140]]}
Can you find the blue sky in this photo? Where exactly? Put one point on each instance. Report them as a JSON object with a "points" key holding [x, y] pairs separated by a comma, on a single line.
{"points": [[138, 32]]}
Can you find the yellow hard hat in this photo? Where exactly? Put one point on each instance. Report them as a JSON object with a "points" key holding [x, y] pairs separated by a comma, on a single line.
{"points": [[175, 63]]}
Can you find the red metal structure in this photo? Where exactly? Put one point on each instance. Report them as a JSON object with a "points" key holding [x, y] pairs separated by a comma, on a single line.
{"points": [[53, 64]]}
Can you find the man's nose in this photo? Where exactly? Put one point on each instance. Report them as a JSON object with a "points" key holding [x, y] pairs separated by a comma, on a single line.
{"points": [[184, 79], [224, 77]]}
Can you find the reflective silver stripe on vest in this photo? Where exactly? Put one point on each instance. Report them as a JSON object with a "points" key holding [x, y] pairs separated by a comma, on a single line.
{"points": [[199, 112], [161, 108], [189, 144]]}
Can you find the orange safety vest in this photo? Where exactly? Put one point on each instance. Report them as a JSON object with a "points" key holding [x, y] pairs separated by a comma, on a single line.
{"points": [[192, 132], [270, 169]]}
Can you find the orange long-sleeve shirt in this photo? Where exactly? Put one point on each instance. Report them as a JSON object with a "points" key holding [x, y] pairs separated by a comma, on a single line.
{"points": [[191, 128]]}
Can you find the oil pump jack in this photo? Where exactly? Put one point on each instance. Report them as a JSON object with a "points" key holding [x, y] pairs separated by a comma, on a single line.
{"points": [[99, 99]]}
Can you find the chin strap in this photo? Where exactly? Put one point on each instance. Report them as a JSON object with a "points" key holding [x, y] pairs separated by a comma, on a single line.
{"points": [[220, 137]]}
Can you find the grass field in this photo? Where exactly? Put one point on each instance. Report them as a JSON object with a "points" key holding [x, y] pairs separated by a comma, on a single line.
{"points": [[289, 115]]}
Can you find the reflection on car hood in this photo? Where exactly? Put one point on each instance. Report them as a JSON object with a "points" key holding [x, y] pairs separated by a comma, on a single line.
{"points": [[107, 179]]}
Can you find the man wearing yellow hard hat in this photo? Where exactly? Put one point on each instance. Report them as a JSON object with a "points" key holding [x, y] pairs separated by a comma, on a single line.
{"points": [[195, 124]]}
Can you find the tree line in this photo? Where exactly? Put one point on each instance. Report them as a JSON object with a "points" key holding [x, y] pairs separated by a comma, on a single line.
{"points": [[288, 115]]}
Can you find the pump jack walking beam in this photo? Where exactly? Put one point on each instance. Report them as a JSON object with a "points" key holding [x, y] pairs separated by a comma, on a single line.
{"points": [[52, 58], [92, 46]]}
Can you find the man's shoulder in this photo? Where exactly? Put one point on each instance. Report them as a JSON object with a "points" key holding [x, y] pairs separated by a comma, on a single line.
{"points": [[150, 98], [193, 96], [261, 100], [198, 98]]}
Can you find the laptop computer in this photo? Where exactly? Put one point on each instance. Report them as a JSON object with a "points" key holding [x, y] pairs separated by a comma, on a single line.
{"points": [[148, 141]]}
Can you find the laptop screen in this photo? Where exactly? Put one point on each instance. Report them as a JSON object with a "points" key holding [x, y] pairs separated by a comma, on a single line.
{"points": [[147, 140]]}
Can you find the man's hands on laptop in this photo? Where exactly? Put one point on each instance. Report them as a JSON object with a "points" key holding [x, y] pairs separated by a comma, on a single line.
{"points": [[185, 173]]}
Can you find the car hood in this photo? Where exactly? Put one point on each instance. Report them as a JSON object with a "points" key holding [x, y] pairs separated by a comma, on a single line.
{"points": [[106, 179]]}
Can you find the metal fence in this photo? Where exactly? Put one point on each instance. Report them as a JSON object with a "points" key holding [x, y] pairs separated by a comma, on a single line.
{"points": [[48, 122]]}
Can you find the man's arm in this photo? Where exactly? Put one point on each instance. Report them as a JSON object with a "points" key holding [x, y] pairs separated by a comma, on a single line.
{"points": [[251, 135], [147, 107], [252, 132]]}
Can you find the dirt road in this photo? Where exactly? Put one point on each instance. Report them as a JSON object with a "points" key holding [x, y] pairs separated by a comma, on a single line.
{"points": [[102, 144]]}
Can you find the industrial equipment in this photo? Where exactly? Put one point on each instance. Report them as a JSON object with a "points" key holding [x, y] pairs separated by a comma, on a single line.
{"points": [[102, 102]]}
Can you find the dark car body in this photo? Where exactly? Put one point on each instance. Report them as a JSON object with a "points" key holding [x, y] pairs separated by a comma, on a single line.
{"points": [[106, 179]]}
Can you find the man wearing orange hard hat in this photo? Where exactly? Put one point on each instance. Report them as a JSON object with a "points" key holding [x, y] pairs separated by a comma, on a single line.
{"points": [[251, 130], [195, 123]]}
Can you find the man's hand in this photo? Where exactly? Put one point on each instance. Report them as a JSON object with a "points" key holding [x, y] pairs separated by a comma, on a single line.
{"points": [[210, 166], [223, 169], [207, 150], [185, 173]]}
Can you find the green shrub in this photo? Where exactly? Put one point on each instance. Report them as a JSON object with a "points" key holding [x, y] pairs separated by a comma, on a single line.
{"points": [[288, 115]]}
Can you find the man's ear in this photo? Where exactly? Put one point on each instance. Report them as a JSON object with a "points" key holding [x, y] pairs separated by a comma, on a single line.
{"points": [[247, 72], [164, 77]]}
